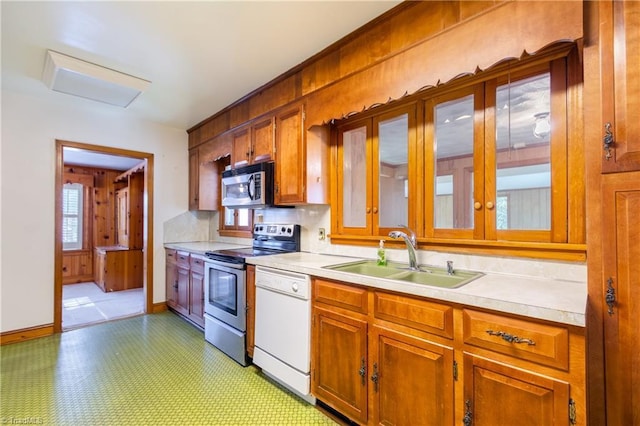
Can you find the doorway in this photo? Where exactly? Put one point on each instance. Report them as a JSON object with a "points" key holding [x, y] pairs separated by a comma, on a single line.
{"points": [[101, 230]]}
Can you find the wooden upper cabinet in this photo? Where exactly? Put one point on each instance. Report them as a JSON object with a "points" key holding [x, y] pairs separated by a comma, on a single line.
{"points": [[620, 73], [290, 165], [496, 175], [253, 143], [204, 173], [194, 182], [375, 173]]}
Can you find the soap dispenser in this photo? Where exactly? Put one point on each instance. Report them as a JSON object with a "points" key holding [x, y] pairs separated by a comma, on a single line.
{"points": [[382, 256]]}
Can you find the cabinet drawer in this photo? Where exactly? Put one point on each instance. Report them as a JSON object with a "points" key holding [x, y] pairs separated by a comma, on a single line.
{"points": [[171, 256], [532, 341], [344, 296], [432, 317], [197, 264], [182, 258]]}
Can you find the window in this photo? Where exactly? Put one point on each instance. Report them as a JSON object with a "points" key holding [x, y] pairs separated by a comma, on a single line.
{"points": [[234, 222], [72, 212]]}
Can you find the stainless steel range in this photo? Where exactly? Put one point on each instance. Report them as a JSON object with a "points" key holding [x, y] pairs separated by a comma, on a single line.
{"points": [[225, 286]]}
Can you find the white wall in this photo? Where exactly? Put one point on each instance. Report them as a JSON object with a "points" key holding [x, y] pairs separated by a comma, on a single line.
{"points": [[29, 130]]}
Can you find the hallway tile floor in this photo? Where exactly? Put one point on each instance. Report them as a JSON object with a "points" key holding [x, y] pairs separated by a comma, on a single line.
{"points": [[145, 370], [85, 304]]}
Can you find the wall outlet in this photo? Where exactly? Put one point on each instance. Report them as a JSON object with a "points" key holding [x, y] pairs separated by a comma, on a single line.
{"points": [[322, 234]]}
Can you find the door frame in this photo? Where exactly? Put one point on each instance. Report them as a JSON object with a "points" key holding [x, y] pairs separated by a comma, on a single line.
{"points": [[147, 236]]}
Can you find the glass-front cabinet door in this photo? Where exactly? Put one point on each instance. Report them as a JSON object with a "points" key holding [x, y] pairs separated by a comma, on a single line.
{"points": [[455, 164], [527, 155], [521, 159], [479, 164], [394, 134], [374, 166], [354, 195], [491, 171]]}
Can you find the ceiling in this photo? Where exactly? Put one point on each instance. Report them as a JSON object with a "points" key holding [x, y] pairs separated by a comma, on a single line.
{"points": [[199, 56]]}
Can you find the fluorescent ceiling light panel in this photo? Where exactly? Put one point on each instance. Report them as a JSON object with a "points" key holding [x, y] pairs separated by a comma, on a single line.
{"points": [[76, 77]]}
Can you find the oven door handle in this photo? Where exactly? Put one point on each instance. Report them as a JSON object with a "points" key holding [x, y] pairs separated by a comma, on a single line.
{"points": [[224, 266]]}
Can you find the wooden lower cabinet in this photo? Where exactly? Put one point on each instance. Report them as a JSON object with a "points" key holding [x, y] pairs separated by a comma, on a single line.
{"points": [[371, 372], [196, 290], [382, 358], [620, 297], [339, 370], [118, 268], [181, 293], [498, 394], [177, 280], [414, 380]]}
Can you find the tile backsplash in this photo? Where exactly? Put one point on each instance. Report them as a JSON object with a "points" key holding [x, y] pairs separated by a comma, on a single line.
{"points": [[203, 226]]}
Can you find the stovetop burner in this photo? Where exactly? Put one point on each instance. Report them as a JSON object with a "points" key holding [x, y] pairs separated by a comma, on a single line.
{"points": [[267, 239]]}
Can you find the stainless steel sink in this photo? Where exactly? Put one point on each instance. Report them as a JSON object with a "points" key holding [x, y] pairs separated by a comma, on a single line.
{"points": [[427, 275]]}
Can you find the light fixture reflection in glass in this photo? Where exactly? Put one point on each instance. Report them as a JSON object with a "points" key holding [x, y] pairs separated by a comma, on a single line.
{"points": [[542, 126]]}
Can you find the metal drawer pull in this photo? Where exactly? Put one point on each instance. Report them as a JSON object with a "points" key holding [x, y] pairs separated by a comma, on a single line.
{"points": [[362, 372], [510, 337]]}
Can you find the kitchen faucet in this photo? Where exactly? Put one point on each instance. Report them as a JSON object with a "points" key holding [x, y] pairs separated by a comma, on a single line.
{"points": [[411, 243]]}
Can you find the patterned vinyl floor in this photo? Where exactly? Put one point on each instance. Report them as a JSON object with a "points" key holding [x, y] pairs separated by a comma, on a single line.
{"points": [[146, 370]]}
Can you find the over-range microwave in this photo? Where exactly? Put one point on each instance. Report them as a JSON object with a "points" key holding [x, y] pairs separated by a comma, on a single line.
{"points": [[248, 187]]}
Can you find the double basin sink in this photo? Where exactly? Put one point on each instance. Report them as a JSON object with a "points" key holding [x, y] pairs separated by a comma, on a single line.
{"points": [[425, 275]]}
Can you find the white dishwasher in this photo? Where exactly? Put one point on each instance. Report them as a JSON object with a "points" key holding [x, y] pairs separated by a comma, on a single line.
{"points": [[283, 328]]}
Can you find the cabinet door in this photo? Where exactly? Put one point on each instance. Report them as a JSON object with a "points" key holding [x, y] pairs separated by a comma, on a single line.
{"points": [[182, 291], [196, 298], [339, 374], [251, 311], [393, 171], [620, 50], [262, 139], [122, 211], [414, 380], [496, 394], [621, 269], [194, 179], [99, 265], [241, 147], [290, 164], [171, 281], [354, 185]]}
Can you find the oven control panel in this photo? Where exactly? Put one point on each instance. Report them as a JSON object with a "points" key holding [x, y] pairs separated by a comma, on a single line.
{"points": [[275, 229]]}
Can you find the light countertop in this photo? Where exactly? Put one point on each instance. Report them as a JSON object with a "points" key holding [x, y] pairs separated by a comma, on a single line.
{"points": [[560, 301], [200, 247]]}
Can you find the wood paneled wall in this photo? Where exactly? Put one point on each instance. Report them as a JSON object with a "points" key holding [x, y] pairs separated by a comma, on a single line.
{"points": [[100, 221], [414, 45]]}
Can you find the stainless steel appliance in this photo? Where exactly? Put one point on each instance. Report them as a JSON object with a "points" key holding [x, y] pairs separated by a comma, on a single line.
{"points": [[248, 187], [283, 328], [225, 286]]}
